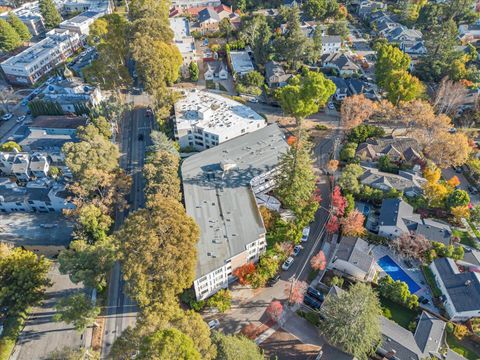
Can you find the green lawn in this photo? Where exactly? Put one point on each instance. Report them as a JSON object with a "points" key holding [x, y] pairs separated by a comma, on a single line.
{"points": [[465, 238], [12, 327], [456, 346], [400, 314], [431, 281]]}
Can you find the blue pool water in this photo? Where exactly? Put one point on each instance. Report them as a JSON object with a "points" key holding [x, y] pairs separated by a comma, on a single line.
{"points": [[397, 273]]}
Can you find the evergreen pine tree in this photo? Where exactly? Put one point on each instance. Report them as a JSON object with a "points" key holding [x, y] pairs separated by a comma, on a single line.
{"points": [[19, 27], [9, 39], [51, 16]]}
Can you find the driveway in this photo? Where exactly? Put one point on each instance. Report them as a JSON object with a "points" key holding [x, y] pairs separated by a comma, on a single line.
{"points": [[41, 334]]}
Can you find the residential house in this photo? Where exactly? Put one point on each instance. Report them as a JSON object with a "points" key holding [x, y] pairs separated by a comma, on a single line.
{"points": [[20, 166], [331, 44], [72, 95], [57, 125], [23, 165], [208, 20], [469, 33], [215, 70], [204, 120], [399, 343], [354, 259], [366, 8], [397, 217], [241, 62], [39, 165], [195, 3], [359, 87], [340, 62], [407, 182], [220, 185], [35, 197], [275, 75], [341, 91], [184, 41], [471, 260], [27, 67], [460, 289], [398, 149]]}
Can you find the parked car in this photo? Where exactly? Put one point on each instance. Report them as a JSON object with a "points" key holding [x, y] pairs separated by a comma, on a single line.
{"points": [[140, 137], [472, 189], [307, 300], [297, 249], [24, 102], [213, 324], [253, 100], [7, 117], [21, 118], [331, 106], [305, 233], [272, 281], [315, 294], [286, 265]]}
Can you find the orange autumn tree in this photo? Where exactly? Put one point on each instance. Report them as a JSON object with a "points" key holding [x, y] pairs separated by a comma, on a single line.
{"points": [[319, 262], [355, 110], [243, 271], [352, 224]]}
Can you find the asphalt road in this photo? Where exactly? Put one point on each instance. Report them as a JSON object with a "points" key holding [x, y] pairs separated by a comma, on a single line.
{"points": [[121, 311]]}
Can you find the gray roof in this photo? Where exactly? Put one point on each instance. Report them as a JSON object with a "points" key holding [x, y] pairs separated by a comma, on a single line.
{"points": [[434, 231], [208, 13], [452, 355], [472, 257], [340, 83], [429, 333], [331, 39], [399, 340], [342, 61], [462, 288], [274, 73], [23, 194], [402, 181], [222, 202], [58, 122], [393, 211], [408, 147], [356, 252]]}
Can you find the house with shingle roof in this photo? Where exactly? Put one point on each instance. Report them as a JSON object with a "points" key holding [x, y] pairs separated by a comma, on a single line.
{"points": [[340, 62], [397, 149], [354, 259], [409, 183], [460, 289], [397, 217]]}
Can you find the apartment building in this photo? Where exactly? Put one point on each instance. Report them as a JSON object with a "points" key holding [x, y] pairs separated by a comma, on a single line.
{"points": [[220, 187], [35, 197], [79, 6], [184, 42], [29, 14], [204, 120], [23, 165], [27, 67]]}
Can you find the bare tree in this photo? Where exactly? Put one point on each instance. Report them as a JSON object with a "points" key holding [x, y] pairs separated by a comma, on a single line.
{"points": [[411, 246], [449, 96]]}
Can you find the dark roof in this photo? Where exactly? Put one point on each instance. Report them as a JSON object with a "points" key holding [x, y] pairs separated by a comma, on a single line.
{"points": [[22, 194], [462, 288], [58, 122], [208, 13], [393, 211], [340, 83], [356, 252], [398, 340], [429, 333], [434, 231]]}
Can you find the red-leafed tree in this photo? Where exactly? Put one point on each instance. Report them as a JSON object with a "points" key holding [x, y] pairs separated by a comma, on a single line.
{"points": [[352, 224], [333, 225], [338, 202], [296, 291], [275, 310], [243, 271], [319, 261]]}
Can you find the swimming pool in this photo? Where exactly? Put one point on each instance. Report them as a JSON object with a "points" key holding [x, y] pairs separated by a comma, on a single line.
{"points": [[397, 273]]}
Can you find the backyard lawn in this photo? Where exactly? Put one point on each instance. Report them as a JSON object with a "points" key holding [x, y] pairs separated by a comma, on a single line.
{"points": [[456, 346], [400, 314], [431, 281]]}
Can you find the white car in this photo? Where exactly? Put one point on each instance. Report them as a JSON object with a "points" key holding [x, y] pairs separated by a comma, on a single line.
{"points": [[21, 118], [7, 117], [305, 233], [331, 106], [213, 324], [253, 100], [297, 249], [286, 265]]}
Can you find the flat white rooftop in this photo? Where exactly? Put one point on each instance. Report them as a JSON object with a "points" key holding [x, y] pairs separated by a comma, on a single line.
{"points": [[241, 62], [181, 35], [213, 113]]}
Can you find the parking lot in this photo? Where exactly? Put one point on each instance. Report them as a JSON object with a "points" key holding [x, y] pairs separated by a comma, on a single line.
{"points": [[43, 233]]}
